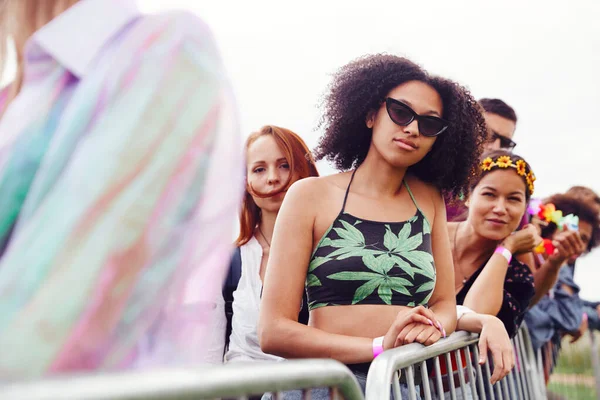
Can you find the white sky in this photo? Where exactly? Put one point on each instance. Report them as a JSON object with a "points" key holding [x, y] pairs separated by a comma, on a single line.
{"points": [[542, 57]]}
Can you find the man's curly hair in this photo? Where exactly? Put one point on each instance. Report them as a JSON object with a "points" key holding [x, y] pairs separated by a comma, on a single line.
{"points": [[362, 85]]}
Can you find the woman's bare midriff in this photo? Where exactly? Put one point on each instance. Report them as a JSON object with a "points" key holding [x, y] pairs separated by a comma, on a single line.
{"points": [[361, 320]]}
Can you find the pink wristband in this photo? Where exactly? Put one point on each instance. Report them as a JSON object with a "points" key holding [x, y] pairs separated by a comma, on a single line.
{"points": [[377, 346], [504, 252]]}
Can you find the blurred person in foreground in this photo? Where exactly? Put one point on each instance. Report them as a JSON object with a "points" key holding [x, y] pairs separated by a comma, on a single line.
{"points": [[120, 181]]}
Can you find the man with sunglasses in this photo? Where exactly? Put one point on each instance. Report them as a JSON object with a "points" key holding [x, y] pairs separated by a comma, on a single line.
{"points": [[501, 120]]}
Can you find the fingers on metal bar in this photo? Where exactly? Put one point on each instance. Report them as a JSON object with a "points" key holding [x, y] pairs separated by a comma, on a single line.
{"points": [[279, 395], [480, 377]]}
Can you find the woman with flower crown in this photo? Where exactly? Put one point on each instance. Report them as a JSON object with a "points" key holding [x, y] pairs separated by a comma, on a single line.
{"points": [[490, 276]]}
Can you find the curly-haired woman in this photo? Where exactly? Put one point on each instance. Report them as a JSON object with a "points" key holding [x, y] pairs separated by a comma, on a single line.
{"points": [[371, 243]]}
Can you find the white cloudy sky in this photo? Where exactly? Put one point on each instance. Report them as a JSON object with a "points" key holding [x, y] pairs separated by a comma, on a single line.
{"points": [[540, 56]]}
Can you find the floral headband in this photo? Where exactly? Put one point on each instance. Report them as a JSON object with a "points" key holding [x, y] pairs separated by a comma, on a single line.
{"points": [[507, 162]]}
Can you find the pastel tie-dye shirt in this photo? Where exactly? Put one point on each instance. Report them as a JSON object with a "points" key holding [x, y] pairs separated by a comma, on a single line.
{"points": [[120, 178]]}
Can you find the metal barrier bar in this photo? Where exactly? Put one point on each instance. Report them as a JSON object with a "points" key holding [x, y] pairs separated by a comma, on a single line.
{"points": [[538, 383], [479, 373], [524, 382], [461, 375], [383, 367], [425, 380], [595, 360], [227, 381], [471, 373], [438, 376], [450, 376]]}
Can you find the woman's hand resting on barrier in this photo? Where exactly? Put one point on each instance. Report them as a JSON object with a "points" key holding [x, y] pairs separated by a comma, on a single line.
{"points": [[418, 324], [494, 338]]}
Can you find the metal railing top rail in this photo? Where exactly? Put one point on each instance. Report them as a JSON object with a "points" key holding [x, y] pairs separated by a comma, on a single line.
{"points": [[387, 363], [206, 382]]}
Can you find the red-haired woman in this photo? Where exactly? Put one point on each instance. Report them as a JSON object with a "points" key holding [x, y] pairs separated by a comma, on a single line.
{"points": [[275, 158]]}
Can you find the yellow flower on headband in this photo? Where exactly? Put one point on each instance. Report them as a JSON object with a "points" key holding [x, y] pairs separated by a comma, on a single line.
{"points": [[486, 164], [521, 165], [504, 162]]}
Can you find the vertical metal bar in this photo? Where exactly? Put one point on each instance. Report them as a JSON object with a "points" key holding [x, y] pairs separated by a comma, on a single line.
{"points": [[519, 371], [461, 373], [511, 385], [479, 374], [425, 380], [279, 395], [524, 381], [450, 373], [526, 365], [595, 360], [334, 393], [410, 380], [396, 386], [498, 390], [505, 387], [306, 394], [540, 370], [488, 378], [471, 373], [438, 378]]}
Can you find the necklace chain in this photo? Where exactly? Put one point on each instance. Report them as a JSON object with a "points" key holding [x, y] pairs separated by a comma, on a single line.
{"points": [[465, 278], [264, 237]]}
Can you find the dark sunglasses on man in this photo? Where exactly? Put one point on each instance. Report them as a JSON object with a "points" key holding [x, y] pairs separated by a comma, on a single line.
{"points": [[403, 115], [505, 142]]}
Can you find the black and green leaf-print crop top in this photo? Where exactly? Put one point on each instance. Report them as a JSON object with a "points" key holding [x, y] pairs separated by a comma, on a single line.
{"points": [[367, 262]]}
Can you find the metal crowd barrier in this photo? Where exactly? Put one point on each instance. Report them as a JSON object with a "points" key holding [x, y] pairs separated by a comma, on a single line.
{"points": [[595, 360], [212, 382], [417, 366], [472, 380]]}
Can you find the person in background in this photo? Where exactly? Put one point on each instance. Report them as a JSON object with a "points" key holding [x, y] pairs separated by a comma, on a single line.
{"points": [[119, 162], [501, 121], [489, 276], [275, 159], [561, 311], [591, 308], [370, 245]]}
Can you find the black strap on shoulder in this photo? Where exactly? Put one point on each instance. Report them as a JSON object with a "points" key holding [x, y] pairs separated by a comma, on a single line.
{"points": [[231, 284], [348, 190]]}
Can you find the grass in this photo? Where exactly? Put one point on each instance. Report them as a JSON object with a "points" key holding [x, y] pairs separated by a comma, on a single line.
{"points": [[573, 392], [573, 375]]}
